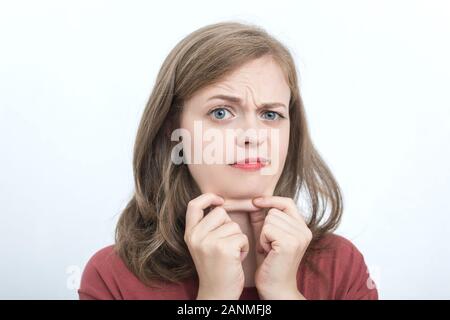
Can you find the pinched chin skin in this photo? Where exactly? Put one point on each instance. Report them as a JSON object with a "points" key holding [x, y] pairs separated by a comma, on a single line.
{"points": [[243, 204], [236, 202], [240, 205]]}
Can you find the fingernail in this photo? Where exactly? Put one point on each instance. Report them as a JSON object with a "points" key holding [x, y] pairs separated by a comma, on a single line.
{"points": [[259, 200]]}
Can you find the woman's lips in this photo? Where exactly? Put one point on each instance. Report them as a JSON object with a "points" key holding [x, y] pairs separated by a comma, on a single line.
{"points": [[250, 164]]}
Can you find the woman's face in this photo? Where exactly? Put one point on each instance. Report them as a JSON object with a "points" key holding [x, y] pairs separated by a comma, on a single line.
{"points": [[245, 115]]}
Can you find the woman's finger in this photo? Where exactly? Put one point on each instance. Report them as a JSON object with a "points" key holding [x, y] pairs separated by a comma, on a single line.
{"points": [[282, 221], [238, 241], [225, 230], [195, 207], [213, 220], [270, 237], [287, 205]]}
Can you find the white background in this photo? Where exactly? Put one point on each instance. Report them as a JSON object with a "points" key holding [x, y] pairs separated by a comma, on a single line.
{"points": [[75, 77]]}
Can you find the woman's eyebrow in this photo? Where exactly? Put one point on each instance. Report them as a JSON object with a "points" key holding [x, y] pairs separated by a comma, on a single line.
{"points": [[239, 101]]}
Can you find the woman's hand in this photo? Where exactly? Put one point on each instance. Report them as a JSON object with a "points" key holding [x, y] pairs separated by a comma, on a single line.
{"points": [[217, 246], [282, 238]]}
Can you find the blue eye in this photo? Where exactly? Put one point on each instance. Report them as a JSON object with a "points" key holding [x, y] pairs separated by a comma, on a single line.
{"points": [[219, 113], [272, 115]]}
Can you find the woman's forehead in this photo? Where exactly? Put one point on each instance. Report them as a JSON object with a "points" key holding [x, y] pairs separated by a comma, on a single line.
{"points": [[241, 89]]}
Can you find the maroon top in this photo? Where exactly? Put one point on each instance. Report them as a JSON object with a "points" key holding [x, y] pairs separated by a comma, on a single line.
{"points": [[106, 277]]}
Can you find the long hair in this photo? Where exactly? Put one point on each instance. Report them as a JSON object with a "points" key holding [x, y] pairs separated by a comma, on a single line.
{"points": [[150, 230]]}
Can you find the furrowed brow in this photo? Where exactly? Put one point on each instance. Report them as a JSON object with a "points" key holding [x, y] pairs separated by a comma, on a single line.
{"points": [[239, 101]]}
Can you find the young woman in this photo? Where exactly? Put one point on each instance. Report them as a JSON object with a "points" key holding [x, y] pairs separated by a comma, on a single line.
{"points": [[225, 229]]}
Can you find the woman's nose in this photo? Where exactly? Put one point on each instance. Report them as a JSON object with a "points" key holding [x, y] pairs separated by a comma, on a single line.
{"points": [[250, 133]]}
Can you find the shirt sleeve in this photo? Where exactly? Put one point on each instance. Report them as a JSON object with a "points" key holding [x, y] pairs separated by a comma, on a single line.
{"points": [[356, 283], [92, 285]]}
